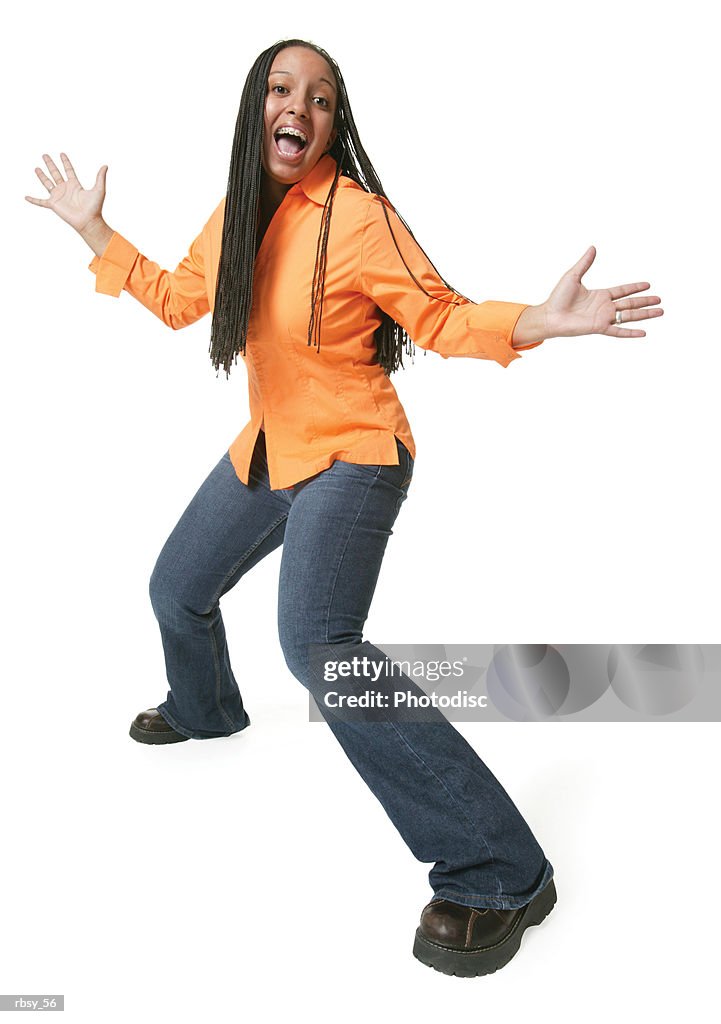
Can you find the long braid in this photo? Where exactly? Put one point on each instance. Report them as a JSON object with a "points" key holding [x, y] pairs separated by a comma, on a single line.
{"points": [[234, 290]]}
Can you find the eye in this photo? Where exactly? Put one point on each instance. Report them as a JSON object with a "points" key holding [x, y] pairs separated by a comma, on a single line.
{"points": [[322, 101]]}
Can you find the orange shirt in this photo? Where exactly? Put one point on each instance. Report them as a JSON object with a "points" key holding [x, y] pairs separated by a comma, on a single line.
{"points": [[336, 402]]}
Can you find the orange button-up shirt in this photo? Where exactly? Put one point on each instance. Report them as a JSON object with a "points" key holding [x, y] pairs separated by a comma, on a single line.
{"points": [[335, 402]]}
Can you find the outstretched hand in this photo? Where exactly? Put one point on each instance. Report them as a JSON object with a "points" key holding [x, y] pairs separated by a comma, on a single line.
{"points": [[75, 205], [572, 309]]}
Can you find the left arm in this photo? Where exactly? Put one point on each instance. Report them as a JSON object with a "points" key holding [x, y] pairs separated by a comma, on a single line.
{"points": [[452, 325], [442, 321]]}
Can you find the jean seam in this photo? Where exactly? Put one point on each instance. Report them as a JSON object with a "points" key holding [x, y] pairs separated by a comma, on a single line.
{"points": [[246, 554], [211, 630], [342, 556], [216, 666], [442, 783], [438, 779]]}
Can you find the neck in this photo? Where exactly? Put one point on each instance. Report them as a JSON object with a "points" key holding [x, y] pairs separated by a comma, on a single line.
{"points": [[272, 194]]}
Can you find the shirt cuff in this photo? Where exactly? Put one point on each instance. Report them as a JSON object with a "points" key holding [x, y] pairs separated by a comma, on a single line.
{"points": [[496, 321], [112, 269], [533, 344]]}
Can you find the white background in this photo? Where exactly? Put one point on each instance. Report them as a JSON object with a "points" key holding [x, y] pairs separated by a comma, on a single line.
{"points": [[570, 496]]}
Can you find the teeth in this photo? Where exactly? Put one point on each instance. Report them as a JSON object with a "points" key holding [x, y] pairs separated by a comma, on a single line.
{"points": [[287, 130]]}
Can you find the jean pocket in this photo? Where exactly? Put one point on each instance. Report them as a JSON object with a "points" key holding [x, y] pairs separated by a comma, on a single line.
{"points": [[399, 475], [401, 498], [367, 468], [407, 462]]}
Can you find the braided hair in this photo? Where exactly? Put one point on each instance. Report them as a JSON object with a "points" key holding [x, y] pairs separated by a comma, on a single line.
{"points": [[234, 290]]}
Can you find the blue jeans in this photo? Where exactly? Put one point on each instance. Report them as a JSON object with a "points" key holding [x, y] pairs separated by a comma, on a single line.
{"points": [[334, 527]]}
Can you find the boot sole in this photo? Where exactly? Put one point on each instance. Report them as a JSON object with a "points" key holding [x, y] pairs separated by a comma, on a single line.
{"points": [[150, 736], [475, 962]]}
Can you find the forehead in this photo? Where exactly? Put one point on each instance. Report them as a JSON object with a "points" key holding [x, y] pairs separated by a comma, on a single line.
{"points": [[299, 59]]}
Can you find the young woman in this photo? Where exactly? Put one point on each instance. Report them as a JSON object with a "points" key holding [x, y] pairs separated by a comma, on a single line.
{"points": [[318, 283]]}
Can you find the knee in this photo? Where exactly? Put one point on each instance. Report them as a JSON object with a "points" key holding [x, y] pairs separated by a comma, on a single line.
{"points": [[162, 594], [294, 648], [298, 641], [305, 652], [172, 598]]}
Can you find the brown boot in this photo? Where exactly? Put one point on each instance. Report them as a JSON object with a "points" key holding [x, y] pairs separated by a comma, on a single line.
{"points": [[150, 727], [468, 941]]}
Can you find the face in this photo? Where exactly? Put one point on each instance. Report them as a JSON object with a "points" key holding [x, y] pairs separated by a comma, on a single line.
{"points": [[302, 95]]}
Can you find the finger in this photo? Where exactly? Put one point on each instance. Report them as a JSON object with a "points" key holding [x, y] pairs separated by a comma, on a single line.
{"points": [[619, 290], [640, 314], [57, 176], [69, 169], [642, 300], [37, 202], [580, 268], [44, 179], [621, 332]]}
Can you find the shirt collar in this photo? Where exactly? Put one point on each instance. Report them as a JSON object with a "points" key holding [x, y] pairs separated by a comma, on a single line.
{"points": [[317, 182]]}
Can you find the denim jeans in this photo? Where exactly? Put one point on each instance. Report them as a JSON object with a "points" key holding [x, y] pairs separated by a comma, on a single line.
{"points": [[334, 527]]}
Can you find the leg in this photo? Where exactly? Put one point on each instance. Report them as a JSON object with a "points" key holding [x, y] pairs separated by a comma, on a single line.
{"points": [[226, 529], [447, 805]]}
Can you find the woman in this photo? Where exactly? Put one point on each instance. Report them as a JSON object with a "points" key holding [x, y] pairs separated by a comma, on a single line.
{"points": [[306, 248]]}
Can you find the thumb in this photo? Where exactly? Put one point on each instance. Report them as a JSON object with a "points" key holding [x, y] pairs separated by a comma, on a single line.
{"points": [[580, 268], [100, 177]]}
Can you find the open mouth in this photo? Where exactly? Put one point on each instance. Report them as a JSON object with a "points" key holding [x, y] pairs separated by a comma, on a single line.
{"points": [[290, 142]]}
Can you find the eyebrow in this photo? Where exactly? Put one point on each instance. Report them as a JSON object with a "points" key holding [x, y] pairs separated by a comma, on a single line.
{"points": [[290, 73]]}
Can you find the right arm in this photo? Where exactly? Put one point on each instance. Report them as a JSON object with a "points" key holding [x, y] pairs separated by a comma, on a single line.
{"points": [[178, 298]]}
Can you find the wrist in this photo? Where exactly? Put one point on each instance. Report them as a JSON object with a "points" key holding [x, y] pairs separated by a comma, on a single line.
{"points": [[97, 234], [532, 326]]}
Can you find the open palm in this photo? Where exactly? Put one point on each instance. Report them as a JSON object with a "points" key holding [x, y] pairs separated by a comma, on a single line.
{"points": [[74, 204], [572, 309]]}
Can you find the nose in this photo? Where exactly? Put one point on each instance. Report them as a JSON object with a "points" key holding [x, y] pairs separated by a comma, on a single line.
{"points": [[298, 108]]}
